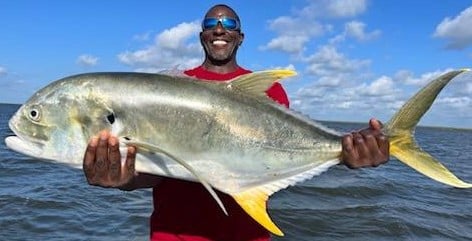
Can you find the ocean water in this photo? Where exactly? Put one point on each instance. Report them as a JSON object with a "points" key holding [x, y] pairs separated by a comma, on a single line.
{"points": [[45, 201]]}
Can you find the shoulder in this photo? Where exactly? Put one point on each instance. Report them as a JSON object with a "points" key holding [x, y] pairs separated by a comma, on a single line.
{"points": [[278, 93], [194, 71]]}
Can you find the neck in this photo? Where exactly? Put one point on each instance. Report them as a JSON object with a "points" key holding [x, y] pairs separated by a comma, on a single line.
{"points": [[221, 68]]}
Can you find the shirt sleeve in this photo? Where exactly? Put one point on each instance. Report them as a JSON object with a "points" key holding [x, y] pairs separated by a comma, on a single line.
{"points": [[277, 93]]}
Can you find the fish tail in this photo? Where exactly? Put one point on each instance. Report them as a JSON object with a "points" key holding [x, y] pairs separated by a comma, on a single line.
{"points": [[400, 130]]}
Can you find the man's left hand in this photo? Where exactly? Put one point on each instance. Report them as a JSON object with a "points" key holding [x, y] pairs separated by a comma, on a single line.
{"points": [[365, 148]]}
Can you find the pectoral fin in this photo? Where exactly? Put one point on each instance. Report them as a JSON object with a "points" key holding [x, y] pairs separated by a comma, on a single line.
{"points": [[154, 148]]}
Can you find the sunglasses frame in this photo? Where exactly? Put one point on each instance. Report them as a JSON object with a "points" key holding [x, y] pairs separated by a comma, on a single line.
{"points": [[223, 21]]}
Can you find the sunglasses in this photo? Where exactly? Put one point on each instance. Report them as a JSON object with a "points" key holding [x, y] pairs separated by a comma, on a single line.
{"points": [[227, 23]]}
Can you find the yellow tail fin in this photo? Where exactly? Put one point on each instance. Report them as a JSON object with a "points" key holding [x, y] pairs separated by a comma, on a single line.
{"points": [[401, 127]]}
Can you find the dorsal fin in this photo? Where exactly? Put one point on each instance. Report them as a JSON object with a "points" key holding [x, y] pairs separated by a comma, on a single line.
{"points": [[257, 83]]}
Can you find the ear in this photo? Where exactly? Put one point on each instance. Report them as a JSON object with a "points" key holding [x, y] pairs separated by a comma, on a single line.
{"points": [[241, 38], [201, 38]]}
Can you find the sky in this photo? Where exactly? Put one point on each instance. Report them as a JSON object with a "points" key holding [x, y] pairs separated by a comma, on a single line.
{"points": [[355, 59]]}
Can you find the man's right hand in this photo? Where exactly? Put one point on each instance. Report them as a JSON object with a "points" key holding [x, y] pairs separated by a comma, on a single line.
{"points": [[102, 162]]}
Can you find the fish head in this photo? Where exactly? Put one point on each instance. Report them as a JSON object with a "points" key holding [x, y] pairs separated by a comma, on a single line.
{"points": [[56, 123]]}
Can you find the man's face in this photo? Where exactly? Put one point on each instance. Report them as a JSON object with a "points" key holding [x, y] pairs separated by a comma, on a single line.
{"points": [[221, 43]]}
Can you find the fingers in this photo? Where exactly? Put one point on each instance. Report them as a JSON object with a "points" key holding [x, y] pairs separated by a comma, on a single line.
{"points": [[128, 169], [356, 151], [365, 148], [349, 153], [89, 159], [372, 155], [101, 157], [375, 124], [363, 145], [102, 162], [114, 159], [384, 147]]}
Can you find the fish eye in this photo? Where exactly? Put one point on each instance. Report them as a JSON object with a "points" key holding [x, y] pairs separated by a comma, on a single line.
{"points": [[34, 114], [111, 118]]}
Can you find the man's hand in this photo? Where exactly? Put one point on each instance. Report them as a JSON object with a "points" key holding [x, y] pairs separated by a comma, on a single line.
{"points": [[365, 148], [102, 162]]}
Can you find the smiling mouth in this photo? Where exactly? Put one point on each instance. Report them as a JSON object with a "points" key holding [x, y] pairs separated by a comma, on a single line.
{"points": [[219, 42]]}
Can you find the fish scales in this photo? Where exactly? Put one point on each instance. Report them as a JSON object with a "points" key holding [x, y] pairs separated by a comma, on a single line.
{"points": [[228, 136]]}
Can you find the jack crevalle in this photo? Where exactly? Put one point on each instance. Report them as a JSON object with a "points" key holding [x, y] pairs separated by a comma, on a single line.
{"points": [[228, 136]]}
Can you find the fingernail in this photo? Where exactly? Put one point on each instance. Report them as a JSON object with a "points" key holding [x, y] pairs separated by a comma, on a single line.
{"points": [[112, 141], [93, 141], [103, 135]]}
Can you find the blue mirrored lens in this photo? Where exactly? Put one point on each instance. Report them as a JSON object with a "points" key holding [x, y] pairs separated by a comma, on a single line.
{"points": [[209, 23], [227, 23]]}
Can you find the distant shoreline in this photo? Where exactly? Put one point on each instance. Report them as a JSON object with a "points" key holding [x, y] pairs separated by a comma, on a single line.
{"points": [[420, 126], [8, 104], [344, 122]]}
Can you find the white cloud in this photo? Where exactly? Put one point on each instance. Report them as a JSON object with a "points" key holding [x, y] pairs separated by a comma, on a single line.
{"points": [[457, 101], [379, 87], [285, 43], [457, 31], [3, 71], [142, 37], [334, 8], [327, 61], [381, 97], [355, 30], [87, 60], [174, 47], [349, 103], [293, 34], [467, 89], [296, 26], [408, 78]]}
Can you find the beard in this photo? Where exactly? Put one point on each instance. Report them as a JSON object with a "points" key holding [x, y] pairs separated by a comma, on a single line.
{"points": [[220, 56]]}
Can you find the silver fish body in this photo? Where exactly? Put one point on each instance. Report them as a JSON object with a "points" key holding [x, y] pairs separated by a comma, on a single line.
{"points": [[233, 140], [227, 135]]}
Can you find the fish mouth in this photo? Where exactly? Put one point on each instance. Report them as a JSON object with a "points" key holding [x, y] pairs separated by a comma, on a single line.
{"points": [[22, 146]]}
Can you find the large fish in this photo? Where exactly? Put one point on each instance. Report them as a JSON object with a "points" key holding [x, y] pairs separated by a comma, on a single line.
{"points": [[228, 136]]}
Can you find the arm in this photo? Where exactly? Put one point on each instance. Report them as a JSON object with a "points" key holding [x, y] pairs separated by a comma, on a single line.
{"points": [[365, 148], [102, 165]]}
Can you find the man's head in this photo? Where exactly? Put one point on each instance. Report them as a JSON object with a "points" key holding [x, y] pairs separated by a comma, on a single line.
{"points": [[221, 35]]}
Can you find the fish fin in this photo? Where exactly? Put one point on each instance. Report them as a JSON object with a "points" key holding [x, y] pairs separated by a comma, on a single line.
{"points": [[254, 202], [400, 130], [154, 148], [257, 83]]}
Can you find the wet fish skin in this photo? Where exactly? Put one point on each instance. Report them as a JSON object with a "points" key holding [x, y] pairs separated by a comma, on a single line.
{"points": [[227, 135]]}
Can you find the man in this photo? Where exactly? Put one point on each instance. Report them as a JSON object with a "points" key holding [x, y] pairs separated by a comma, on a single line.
{"points": [[184, 210]]}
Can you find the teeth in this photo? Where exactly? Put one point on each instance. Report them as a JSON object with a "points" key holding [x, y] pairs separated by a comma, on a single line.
{"points": [[219, 42]]}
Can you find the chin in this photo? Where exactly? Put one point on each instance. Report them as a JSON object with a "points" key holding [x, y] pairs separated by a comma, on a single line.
{"points": [[220, 57]]}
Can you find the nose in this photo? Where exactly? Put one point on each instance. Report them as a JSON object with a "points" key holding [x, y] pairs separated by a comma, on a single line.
{"points": [[219, 28]]}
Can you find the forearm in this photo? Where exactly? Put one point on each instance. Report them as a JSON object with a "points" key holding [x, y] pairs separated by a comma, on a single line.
{"points": [[142, 180]]}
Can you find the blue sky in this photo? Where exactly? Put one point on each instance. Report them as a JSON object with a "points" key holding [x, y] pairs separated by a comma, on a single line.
{"points": [[355, 59]]}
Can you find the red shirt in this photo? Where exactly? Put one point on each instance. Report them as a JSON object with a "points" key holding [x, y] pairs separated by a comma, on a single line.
{"points": [[185, 211]]}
